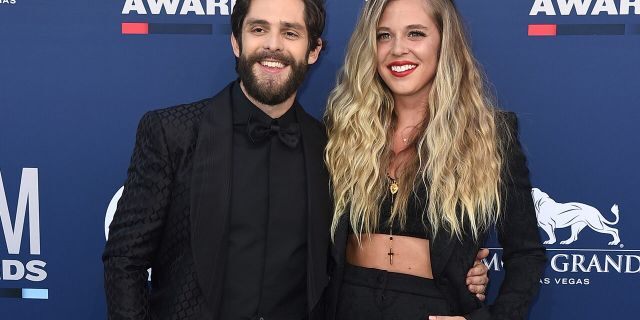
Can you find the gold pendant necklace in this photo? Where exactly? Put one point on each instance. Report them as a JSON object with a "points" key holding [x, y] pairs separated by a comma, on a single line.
{"points": [[393, 187]]}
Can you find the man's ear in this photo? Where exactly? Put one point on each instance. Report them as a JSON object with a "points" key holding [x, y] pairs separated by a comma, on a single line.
{"points": [[235, 45], [315, 53]]}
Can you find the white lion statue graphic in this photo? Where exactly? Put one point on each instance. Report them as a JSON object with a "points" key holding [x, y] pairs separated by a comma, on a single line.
{"points": [[552, 215]]}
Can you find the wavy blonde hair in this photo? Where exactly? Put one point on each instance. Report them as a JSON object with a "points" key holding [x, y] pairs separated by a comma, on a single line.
{"points": [[456, 156]]}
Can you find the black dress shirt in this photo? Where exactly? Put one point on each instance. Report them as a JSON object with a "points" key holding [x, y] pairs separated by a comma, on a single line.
{"points": [[266, 270]]}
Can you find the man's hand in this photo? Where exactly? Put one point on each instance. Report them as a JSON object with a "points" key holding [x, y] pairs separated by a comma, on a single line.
{"points": [[477, 280], [477, 277]]}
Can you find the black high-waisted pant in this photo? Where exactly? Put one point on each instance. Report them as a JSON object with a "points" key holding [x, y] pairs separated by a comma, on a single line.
{"points": [[373, 294]]}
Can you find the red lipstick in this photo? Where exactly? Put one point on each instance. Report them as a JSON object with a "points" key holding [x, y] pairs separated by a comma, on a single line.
{"points": [[401, 72]]}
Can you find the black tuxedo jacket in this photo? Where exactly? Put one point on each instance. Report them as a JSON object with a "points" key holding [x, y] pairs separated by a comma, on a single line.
{"points": [[524, 256], [174, 212]]}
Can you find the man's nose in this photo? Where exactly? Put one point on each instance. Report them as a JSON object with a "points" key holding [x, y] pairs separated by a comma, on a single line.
{"points": [[274, 42]]}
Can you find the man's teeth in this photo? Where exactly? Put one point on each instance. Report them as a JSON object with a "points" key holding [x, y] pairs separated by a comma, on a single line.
{"points": [[403, 68], [272, 64]]}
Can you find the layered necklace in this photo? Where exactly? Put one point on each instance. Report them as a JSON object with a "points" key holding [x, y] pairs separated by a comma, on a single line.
{"points": [[406, 139], [393, 188]]}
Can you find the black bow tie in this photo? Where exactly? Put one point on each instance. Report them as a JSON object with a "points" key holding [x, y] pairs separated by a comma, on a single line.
{"points": [[259, 131]]}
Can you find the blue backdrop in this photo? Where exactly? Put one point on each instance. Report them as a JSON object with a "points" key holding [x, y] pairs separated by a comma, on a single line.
{"points": [[73, 87]]}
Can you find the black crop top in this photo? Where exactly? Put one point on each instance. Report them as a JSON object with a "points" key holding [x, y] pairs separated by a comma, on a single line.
{"points": [[414, 226]]}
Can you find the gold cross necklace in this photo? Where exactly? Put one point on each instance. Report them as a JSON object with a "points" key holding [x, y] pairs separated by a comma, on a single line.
{"points": [[393, 187]]}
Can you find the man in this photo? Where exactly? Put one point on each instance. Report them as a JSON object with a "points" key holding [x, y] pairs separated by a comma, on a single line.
{"points": [[226, 198]]}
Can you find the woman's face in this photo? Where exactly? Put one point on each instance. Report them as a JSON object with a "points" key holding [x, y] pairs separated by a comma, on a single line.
{"points": [[408, 45]]}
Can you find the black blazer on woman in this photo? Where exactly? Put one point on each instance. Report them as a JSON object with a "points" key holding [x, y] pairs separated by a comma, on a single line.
{"points": [[174, 212], [524, 256]]}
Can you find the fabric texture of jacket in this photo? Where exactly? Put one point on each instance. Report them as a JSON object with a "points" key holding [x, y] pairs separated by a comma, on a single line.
{"points": [[173, 215]]}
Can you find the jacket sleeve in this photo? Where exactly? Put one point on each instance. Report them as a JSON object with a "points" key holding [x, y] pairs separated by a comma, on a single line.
{"points": [[136, 227], [523, 253]]}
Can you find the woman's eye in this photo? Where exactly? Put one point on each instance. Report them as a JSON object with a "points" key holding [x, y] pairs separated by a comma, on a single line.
{"points": [[414, 34], [383, 36]]}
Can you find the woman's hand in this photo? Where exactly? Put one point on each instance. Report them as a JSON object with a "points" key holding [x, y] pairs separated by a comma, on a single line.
{"points": [[477, 278], [445, 318]]}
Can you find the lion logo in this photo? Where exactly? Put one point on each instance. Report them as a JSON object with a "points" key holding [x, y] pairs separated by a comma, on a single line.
{"points": [[552, 215]]}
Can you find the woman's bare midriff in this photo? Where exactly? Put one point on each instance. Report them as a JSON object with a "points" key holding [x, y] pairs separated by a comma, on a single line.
{"points": [[410, 255]]}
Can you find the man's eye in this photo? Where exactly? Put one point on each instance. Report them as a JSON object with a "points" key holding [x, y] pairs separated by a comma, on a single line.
{"points": [[257, 30], [291, 35]]}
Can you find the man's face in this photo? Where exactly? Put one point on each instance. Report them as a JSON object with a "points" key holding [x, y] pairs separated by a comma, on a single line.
{"points": [[274, 56]]}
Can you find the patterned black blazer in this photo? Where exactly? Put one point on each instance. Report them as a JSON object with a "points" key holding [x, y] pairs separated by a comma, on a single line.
{"points": [[524, 256], [173, 215]]}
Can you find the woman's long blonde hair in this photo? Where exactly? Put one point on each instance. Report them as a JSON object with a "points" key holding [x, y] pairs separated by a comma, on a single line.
{"points": [[457, 154]]}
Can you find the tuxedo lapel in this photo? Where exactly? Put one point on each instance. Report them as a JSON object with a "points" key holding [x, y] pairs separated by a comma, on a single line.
{"points": [[210, 196], [211, 191], [318, 205]]}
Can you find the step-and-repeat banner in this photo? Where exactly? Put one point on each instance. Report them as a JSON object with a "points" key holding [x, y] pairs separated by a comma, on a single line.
{"points": [[76, 76]]}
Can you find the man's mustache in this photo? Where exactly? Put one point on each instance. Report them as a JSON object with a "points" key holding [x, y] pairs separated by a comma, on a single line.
{"points": [[273, 56]]}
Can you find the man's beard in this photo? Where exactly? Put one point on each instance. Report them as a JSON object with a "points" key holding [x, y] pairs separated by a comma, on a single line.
{"points": [[269, 91]]}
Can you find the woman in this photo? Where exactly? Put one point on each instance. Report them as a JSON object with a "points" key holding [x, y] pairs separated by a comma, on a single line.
{"points": [[422, 166]]}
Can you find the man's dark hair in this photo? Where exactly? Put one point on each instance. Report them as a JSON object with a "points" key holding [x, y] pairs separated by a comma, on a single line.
{"points": [[314, 18]]}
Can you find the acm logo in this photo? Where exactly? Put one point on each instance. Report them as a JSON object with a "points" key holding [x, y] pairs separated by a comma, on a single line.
{"points": [[28, 202], [186, 9], [111, 211], [568, 259], [592, 26], [170, 7], [584, 7]]}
